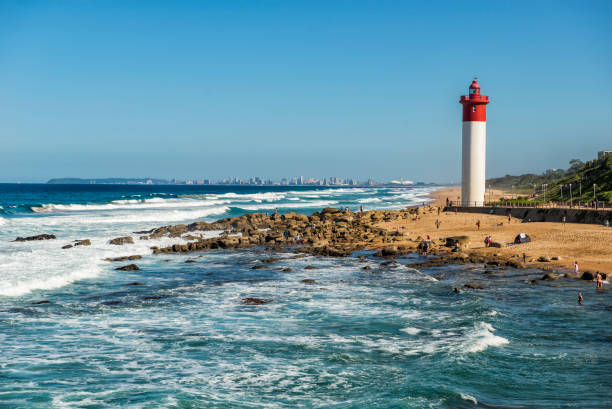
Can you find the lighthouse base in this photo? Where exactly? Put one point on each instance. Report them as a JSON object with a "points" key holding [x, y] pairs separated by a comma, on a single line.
{"points": [[473, 163]]}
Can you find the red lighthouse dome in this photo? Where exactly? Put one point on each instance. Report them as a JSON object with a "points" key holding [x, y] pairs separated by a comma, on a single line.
{"points": [[474, 104]]}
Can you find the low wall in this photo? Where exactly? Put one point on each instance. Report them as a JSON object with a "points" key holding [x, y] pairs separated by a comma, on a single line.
{"points": [[587, 216]]}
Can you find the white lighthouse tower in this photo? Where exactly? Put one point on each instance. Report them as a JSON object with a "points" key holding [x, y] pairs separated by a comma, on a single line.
{"points": [[474, 146]]}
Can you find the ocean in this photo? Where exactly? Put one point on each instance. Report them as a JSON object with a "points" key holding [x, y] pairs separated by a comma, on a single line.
{"points": [[76, 333]]}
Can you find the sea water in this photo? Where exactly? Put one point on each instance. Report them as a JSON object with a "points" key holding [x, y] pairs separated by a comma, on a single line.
{"points": [[74, 332]]}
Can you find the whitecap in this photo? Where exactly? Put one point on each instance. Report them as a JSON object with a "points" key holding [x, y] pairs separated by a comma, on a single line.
{"points": [[467, 397], [481, 338]]}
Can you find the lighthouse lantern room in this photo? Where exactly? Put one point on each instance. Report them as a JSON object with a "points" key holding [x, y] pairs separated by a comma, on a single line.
{"points": [[473, 146]]}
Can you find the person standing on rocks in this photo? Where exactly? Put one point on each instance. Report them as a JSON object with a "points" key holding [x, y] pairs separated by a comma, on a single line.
{"points": [[524, 258]]}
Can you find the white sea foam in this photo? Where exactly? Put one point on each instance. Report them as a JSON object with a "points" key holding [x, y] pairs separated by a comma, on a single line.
{"points": [[318, 203], [467, 397], [481, 338], [411, 330], [370, 200]]}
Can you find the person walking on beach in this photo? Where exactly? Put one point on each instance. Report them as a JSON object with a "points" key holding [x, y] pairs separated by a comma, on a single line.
{"points": [[524, 258], [478, 224], [438, 210], [579, 298], [509, 216], [486, 241], [437, 224], [575, 267], [563, 220], [599, 281]]}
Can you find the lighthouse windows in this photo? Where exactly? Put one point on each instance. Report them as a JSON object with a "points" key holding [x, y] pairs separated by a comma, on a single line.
{"points": [[474, 108]]}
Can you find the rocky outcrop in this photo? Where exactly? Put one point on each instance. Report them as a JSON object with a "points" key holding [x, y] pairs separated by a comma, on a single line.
{"points": [[67, 246], [129, 267], [308, 281], [473, 286], [119, 241], [125, 258], [37, 237], [550, 277], [254, 301], [85, 242]]}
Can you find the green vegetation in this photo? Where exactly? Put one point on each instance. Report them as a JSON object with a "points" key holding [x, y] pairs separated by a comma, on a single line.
{"points": [[581, 175]]}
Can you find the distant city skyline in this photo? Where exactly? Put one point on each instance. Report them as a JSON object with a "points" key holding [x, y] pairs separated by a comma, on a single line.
{"points": [[361, 89]]}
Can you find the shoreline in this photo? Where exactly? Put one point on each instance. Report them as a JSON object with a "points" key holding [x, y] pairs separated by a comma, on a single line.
{"points": [[393, 233]]}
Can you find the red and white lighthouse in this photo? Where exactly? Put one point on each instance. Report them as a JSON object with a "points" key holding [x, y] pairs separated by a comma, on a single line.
{"points": [[474, 146]]}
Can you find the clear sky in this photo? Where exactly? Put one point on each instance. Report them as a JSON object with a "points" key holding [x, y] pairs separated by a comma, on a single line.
{"points": [[281, 88]]}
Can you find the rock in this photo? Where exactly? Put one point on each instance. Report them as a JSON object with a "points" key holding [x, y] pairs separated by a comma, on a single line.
{"points": [[308, 281], [42, 302], [67, 246], [129, 267], [389, 251], [489, 272], [588, 275], [534, 282], [366, 268], [259, 267], [190, 261], [38, 237], [549, 277], [309, 267], [254, 301], [287, 270], [473, 286], [125, 258], [462, 241], [496, 244], [134, 283], [439, 276], [543, 259], [85, 242], [555, 258], [514, 264], [270, 260], [119, 241]]}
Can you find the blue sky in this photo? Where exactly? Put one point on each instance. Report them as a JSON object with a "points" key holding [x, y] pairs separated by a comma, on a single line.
{"points": [[282, 88]]}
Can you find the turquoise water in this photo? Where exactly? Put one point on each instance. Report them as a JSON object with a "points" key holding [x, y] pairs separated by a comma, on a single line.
{"points": [[389, 337]]}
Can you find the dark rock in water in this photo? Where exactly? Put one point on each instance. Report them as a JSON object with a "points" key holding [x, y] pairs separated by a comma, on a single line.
{"points": [[439, 276], [388, 263], [112, 302], [287, 270], [490, 272], [550, 277], [389, 251], [308, 281], [42, 302], [366, 268], [153, 297], [309, 267], [534, 282], [259, 267], [67, 246], [134, 283], [85, 242], [129, 267], [119, 241], [254, 301], [270, 260], [38, 237], [125, 258], [473, 286], [587, 275], [190, 261]]}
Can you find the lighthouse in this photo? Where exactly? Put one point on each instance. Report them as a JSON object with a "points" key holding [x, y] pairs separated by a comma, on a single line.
{"points": [[473, 146]]}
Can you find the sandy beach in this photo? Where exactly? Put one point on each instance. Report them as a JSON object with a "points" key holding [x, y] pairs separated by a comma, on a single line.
{"points": [[589, 244]]}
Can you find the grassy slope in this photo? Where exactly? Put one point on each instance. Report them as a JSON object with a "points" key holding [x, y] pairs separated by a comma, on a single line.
{"points": [[597, 172]]}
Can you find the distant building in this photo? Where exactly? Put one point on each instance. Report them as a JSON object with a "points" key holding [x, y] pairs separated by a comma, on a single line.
{"points": [[602, 154]]}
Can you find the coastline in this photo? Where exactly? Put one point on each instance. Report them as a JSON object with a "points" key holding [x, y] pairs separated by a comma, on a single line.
{"points": [[392, 233]]}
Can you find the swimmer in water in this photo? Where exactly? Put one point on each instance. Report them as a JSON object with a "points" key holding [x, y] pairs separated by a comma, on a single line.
{"points": [[579, 298], [599, 281]]}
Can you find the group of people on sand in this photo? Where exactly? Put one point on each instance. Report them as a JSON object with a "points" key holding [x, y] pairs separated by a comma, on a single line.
{"points": [[488, 241]]}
